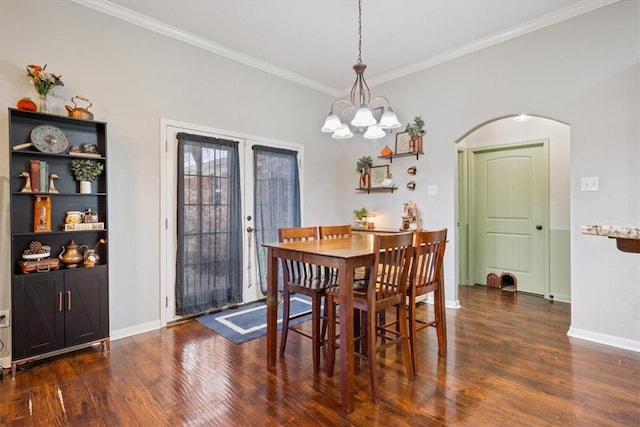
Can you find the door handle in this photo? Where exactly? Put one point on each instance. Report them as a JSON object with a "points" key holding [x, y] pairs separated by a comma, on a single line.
{"points": [[250, 229], [538, 227]]}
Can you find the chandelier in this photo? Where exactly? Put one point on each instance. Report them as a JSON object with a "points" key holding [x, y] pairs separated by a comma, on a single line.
{"points": [[360, 101]]}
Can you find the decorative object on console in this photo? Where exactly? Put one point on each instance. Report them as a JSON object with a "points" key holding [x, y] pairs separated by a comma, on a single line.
{"points": [[410, 216], [26, 104], [26, 188], [362, 167], [71, 255], [49, 139], [415, 132], [86, 171], [42, 214], [78, 112], [386, 151], [360, 102], [52, 184], [361, 216], [44, 83]]}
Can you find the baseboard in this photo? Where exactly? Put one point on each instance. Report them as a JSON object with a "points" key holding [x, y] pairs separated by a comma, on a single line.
{"points": [[452, 304], [135, 330], [609, 340]]}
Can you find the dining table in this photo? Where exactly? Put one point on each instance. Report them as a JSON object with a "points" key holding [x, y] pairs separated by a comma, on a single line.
{"points": [[342, 254]]}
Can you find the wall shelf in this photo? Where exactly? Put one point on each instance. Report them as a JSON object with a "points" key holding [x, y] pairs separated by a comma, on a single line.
{"points": [[390, 157], [378, 189]]}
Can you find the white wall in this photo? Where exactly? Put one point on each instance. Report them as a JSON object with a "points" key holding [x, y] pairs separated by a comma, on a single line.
{"points": [[134, 78], [583, 72]]}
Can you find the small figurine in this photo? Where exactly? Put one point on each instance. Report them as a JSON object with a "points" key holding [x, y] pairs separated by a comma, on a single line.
{"points": [[26, 188], [52, 186]]}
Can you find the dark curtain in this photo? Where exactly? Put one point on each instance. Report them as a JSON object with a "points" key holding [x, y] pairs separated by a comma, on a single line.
{"points": [[276, 199], [209, 253]]}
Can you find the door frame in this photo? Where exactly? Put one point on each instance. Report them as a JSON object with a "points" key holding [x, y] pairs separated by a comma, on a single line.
{"points": [[167, 230], [472, 216]]}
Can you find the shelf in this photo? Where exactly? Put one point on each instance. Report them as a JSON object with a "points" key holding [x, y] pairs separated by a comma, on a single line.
{"points": [[19, 193], [378, 189], [390, 158], [56, 232], [33, 153]]}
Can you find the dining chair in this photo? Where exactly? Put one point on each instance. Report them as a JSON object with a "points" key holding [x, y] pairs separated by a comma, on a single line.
{"points": [[426, 276], [343, 231], [307, 279], [391, 260]]}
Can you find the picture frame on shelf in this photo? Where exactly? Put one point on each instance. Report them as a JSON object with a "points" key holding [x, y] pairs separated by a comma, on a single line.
{"points": [[377, 174], [403, 143]]}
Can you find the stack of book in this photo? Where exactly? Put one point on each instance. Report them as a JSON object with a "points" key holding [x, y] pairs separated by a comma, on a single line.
{"points": [[39, 176]]}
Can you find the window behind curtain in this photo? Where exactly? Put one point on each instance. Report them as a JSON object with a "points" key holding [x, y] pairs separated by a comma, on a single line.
{"points": [[276, 198], [209, 253]]}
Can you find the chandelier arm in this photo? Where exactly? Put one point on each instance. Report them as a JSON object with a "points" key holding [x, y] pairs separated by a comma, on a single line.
{"points": [[336, 102], [380, 97]]}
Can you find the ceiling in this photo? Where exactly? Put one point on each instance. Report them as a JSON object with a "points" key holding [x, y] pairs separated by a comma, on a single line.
{"points": [[315, 42]]}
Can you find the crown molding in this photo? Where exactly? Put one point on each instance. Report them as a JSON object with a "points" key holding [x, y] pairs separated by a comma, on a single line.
{"points": [[528, 27], [159, 27]]}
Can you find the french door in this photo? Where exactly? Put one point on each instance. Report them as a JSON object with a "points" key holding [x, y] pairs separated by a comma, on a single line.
{"points": [[170, 240]]}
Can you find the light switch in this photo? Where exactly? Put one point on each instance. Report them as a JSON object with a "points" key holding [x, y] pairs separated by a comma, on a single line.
{"points": [[432, 190], [591, 183]]}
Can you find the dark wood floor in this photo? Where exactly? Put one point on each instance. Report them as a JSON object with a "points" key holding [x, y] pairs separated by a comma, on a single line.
{"points": [[509, 363]]}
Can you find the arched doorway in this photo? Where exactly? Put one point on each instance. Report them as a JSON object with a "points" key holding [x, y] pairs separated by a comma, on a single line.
{"points": [[499, 136]]}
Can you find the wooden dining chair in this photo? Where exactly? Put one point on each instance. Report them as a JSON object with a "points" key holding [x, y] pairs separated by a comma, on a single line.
{"points": [[426, 276], [343, 231], [385, 289], [307, 279]]}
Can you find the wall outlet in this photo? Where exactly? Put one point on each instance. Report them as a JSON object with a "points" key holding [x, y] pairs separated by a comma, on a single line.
{"points": [[4, 318]]}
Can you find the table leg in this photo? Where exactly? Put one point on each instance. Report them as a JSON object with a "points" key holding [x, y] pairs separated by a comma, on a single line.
{"points": [[345, 279], [272, 306]]}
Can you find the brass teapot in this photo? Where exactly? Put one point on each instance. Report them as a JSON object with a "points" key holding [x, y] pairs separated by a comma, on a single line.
{"points": [[77, 112], [71, 255]]}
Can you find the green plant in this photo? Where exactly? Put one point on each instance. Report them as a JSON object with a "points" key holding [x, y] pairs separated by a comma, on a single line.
{"points": [[86, 170], [415, 128], [360, 213], [364, 163]]}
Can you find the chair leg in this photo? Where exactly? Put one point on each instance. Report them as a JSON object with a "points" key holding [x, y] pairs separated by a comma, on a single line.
{"points": [[331, 332], [315, 331], [441, 320], [325, 316], [371, 351], [402, 321], [412, 335], [286, 304]]}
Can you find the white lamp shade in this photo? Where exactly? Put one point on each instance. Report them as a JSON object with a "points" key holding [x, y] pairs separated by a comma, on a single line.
{"points": [[389, 120], [343, 132], [331, 123], [363, 118], [374, 132]]}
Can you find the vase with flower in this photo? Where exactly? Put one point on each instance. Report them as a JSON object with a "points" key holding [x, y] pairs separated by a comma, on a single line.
{"points": [[44, 83]]}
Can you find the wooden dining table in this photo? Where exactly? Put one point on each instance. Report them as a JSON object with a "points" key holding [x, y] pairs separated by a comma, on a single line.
{"points": [[342, 254]]}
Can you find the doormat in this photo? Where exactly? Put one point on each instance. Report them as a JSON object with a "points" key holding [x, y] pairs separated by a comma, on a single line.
{"points": [[248, 322]]}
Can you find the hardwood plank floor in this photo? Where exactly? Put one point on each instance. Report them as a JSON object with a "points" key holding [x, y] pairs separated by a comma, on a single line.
{"points": [[509, 363]]}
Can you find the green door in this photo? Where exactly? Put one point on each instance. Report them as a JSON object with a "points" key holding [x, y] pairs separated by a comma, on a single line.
{"points": [[510, 202]]}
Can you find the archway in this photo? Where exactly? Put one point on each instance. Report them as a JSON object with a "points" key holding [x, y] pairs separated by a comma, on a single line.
{"points": [[505, 132]]}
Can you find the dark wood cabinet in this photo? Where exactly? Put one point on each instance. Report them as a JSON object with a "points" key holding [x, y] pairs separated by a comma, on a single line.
{"points": [[58, 310]]}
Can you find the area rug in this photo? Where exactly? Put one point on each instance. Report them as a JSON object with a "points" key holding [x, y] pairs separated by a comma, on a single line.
{"points": [[247, 322]]}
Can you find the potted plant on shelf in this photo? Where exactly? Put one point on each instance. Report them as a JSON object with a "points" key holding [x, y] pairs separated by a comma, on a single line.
{"points": [[415, 131], [86, 171], [362, 166]]}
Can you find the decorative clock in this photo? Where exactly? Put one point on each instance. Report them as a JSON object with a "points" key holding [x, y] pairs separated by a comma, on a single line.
{"points": [[49, 139]]}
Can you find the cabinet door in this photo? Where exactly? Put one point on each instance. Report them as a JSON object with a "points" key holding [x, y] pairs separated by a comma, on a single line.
{"points": [[86, 305], [38, 315]]}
